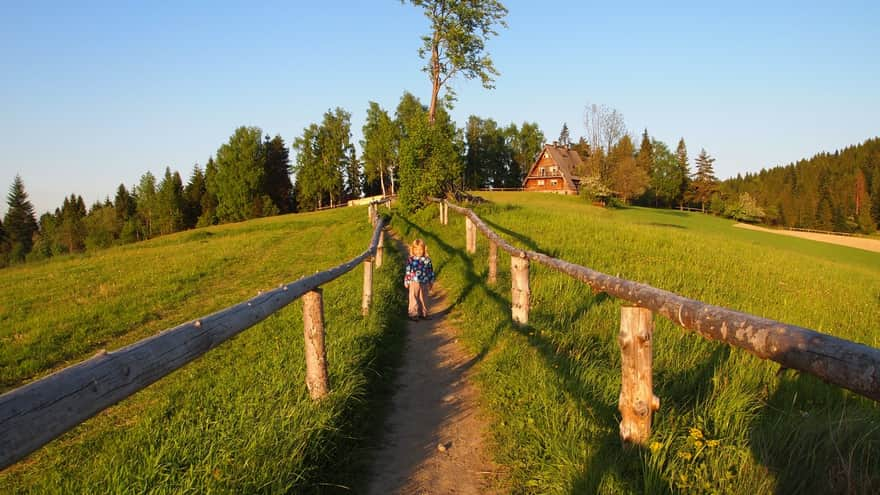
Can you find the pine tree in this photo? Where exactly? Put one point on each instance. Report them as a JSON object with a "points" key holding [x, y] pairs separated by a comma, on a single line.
{"points": [[277, 173], [564, 137], [170, 203], [705, 183], [193, 193], [209, 199], [681, 158], [71, 230], [20, 221], [645, 158]]}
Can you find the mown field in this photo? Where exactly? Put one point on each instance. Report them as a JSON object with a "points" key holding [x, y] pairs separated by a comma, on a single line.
{"points": [[237, 420], [729, 422]]}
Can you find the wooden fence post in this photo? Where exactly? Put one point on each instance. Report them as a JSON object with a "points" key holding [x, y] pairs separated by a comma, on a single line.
{"points": [[370, 213], [368, 287], [441, 204], [380, 249], [493, 262], [637, 400], [519, 297], [470, 231], [316, 355]]}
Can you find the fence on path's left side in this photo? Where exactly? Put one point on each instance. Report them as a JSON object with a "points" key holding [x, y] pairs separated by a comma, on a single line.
{"points": [[35, 414]]}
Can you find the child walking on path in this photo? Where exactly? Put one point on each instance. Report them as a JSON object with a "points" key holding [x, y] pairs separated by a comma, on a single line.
{"points": [[418, 279]]}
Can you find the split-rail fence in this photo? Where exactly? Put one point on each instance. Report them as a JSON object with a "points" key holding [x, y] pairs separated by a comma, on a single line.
{"points": [[837, 361], [35, 414]]}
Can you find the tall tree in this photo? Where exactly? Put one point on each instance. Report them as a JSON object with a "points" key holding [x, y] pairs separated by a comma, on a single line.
{"points": [[564, 136], [705, 183], [684, 168], [20, 221], [628, 179], [71, 230], [146, 206], [430, 162], [525, 143], [193, 194], [209, 199], [277, 173], [456, 43], [240, 175], [645, 158], [323, 156], [354, 176], [667, 177], [381, 138], [605, 127], [170, 203]]}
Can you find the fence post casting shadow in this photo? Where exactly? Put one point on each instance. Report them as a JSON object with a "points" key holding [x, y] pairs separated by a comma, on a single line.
{"points": [[637, 400], [470, 233], [368, 286], [316, 354], [493, 263], [519, 297]]}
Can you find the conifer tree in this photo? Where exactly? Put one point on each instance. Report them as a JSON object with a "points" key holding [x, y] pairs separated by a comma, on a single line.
{"points": [[564, 136], [20, 221], [193, 193], [209, 199], [705, 183], [71, 229], [681, 158], [277, 173], [169, 203]]}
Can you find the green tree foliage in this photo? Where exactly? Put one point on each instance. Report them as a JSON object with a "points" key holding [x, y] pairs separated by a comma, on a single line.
{"points": [[240, 175], [209, 199], [525, 143], [354, 175], [170, 203], [277, 174], [645, 157], [705, 184], [323, 155], [456, 43], [430, 162], [147, 206], [828, 191], [496, 156], [70, 224], [193, 194], [564, 135], [628, 179], [20, 222], [100, 226], [667, 179], [380, 143], [684, 168]]}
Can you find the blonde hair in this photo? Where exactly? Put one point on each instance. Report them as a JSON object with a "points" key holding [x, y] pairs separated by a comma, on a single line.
{"points": [[418, 248]]}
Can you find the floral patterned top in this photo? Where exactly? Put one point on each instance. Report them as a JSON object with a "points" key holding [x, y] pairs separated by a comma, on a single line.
{"points": [[419, 269]]}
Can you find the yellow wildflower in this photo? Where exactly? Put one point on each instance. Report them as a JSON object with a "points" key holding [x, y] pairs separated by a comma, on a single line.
{"points": [[712, 443], [696, 433], [655, 446], [684, 455], [698, 443]]}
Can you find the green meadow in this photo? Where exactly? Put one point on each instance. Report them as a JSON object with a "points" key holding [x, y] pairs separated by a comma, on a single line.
{"points": [[237, 420], [728, 422]]}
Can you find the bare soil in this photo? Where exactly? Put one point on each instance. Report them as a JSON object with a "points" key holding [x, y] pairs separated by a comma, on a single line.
{"points": [[434, 436], [854, 242]]}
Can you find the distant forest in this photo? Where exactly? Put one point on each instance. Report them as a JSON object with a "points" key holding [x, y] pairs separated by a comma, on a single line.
{"points": [[837, 191]]}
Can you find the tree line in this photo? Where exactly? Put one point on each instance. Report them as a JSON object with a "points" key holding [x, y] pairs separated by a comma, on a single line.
{"points": [[837, 191]]}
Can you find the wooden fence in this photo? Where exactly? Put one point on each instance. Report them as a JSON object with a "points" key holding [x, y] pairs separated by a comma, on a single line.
{"points": [[837, 361], [36, 413]]}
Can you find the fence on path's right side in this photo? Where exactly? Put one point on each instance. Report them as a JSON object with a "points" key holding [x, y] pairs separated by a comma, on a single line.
{"points": [[840, 362]]}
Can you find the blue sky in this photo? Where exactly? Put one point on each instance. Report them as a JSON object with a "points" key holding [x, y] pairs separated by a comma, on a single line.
{"points": [[98, 93]]}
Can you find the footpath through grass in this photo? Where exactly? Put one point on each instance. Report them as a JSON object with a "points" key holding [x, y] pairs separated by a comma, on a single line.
{"points": [[237, 420], [729, 422]]}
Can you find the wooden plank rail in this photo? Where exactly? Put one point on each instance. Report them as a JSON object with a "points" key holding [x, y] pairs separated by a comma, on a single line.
{"points": [[36, 413], [837, 361]]}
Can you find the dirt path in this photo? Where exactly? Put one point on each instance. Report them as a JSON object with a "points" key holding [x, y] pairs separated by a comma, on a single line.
{"points": [[433, 439], [854, 242]]}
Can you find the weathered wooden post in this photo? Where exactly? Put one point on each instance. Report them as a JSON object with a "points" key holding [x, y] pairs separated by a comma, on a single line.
{"points": [[380, 249], [368, 286], [493, 262], [370, 213], [519, 294], [442, 205], [637, 399], [316, 355], [470, 231]]}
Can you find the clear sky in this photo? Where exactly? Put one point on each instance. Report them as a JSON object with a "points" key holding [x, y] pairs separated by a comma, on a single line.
{"points": [[97, 93]]}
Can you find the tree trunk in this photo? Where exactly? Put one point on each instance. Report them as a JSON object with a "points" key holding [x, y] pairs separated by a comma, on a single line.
{"points": [[435, 77], [382, 178]]}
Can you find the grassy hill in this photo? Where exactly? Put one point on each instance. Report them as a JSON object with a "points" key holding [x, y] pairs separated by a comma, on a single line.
{"points": [[239, 419], [728, 422]]}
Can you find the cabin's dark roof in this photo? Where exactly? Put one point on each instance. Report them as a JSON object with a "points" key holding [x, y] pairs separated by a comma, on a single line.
{"points": [[567, 159]]}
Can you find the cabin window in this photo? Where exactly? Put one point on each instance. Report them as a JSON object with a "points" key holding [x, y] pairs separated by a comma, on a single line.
{"points": [[552, 170], [540, 182], [543, 171], [554, 182]]}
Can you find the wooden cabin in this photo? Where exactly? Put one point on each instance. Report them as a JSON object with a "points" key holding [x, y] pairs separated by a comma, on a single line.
{"points": [[554, 171]]}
